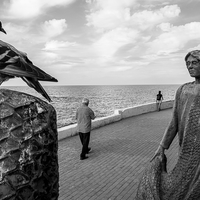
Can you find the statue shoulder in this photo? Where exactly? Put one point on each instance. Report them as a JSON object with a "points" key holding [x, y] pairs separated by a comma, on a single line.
{"points": [[185, 87]]}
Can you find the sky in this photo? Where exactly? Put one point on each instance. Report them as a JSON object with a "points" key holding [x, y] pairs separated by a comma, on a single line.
{"points": [[104, 42]]}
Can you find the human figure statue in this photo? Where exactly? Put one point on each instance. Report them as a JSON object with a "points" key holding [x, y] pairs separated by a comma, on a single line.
{"points": [[159, 98], [183, 181]]}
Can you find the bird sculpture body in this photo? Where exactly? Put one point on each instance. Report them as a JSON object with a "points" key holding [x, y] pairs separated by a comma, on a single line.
{"points": [[14, 63]]}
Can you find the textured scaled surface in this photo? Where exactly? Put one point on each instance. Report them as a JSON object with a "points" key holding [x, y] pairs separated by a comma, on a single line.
{"points": [[183, 182], [28, 148]]}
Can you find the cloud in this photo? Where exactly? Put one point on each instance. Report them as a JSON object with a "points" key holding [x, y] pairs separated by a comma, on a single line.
{"points": [[49, 57], [195, 47], [111, 41], [111, 4], [129, 34], [119, 69], [64, 54], [174, 40], [125, 36], [110, 14], [148, 18], [23, 35], [149, 4], [52, 61], [25, 9], [54, 45], [53, 27], [170, 11], [169, 43], [15, 31], [105, 19], [165, 26], [121, 36]]}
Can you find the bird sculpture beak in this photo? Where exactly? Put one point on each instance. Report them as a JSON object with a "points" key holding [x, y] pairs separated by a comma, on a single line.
{"points": [[2, 30]]}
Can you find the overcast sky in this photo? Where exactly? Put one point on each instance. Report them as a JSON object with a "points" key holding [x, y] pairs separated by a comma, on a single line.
{"points": [[83, 42]]}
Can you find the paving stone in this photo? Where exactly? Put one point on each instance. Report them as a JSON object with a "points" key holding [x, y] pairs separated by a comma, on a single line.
{"points": [[121, 151]]}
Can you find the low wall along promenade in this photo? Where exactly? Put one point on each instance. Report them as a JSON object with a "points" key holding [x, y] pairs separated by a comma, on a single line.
{"points": [[118, 115]]}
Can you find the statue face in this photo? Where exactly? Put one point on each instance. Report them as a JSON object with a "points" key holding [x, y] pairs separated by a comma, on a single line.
{"points": [[193, 66]]}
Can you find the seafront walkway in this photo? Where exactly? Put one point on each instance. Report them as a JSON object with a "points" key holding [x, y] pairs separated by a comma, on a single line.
{"points": [[120, 152]]}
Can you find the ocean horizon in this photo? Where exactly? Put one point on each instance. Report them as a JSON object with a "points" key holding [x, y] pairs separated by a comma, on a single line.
{"points": [[104, 99]]}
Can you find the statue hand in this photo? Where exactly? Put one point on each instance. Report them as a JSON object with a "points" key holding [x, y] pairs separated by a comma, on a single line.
{"points": [[160, 151]]}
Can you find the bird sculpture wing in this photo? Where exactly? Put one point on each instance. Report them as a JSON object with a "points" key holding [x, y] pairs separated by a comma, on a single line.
{"points": [[15, 63]]}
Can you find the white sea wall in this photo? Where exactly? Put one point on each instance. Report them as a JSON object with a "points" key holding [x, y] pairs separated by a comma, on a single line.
{"points": [[144, 108], [118, 115]]}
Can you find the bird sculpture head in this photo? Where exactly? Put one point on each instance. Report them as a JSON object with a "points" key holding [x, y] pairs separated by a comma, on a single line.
{"points": [[14, 63], [1, 28]]}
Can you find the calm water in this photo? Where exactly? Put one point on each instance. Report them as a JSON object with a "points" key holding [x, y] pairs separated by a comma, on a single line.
{"points": [[103, 99]]}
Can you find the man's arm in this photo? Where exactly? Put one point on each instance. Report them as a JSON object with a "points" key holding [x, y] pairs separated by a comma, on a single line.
{"points": [[92, 115], [76, 115]]}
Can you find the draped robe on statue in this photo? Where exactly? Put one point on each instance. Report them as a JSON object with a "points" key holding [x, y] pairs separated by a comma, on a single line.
{"points": [[183, 182]]}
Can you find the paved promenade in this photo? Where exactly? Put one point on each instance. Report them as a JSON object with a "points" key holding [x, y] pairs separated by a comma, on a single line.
{"points": [[120, 153]]}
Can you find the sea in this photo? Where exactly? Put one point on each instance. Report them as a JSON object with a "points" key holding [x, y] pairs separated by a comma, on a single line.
{"points": [[104, 99]]}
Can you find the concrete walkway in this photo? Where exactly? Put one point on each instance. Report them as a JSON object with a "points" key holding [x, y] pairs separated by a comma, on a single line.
{"points": [[120, 153]]}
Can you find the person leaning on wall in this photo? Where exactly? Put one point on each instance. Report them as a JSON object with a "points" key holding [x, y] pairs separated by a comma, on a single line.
{"points": [[84, 117], [159, 98]]}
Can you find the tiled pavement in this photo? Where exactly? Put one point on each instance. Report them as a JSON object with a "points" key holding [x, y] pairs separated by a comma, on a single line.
{"points": [[120, 153]]}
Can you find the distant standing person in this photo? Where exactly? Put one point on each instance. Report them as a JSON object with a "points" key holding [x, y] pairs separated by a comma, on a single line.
{"points": [[159, 100], [84, 116]]}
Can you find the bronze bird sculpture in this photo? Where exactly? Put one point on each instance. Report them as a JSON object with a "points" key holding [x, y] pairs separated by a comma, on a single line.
{"points": [[14, 63]]}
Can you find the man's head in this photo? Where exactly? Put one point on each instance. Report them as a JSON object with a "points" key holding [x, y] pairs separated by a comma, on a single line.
{"points": [[85, 101], [192, 60]]}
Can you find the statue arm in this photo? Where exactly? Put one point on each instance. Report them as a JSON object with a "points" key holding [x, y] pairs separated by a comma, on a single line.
{"points": [[172, 128]]}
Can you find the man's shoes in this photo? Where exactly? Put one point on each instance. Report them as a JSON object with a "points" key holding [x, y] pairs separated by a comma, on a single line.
{"points": [[83, 158], [89, 150]]}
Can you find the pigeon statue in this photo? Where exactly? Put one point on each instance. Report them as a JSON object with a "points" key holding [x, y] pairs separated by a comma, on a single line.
{"points": [[14, 63]]}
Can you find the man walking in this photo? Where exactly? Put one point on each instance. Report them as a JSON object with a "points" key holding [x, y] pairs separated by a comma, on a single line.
{"points": [[84, 115]]}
